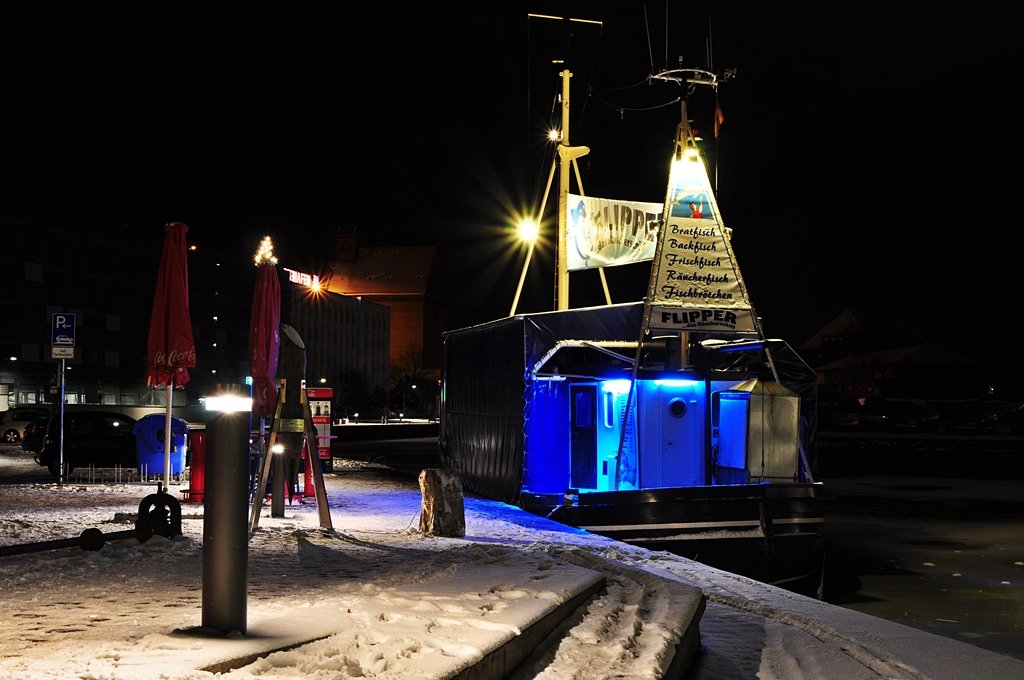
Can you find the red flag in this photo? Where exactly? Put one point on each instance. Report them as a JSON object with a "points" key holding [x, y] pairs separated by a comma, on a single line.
{"points": [[719, 119]]}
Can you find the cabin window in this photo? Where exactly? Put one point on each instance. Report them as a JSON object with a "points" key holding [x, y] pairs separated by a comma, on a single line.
{"points": [[677, 408], [609, 407]]}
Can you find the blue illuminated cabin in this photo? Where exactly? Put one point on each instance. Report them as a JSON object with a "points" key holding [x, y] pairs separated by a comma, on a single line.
{"points": [[718, 443]]}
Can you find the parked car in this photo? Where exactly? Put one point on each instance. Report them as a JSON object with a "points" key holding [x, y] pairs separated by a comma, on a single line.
{"points": [[33, 434], [1015, 418], [99, 438], [839, 413], [899, 415], [14, 420], [911, 416], [975, 416]]}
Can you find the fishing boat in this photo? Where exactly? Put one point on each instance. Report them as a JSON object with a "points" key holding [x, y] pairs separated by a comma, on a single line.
{"points": [[671, 422]]}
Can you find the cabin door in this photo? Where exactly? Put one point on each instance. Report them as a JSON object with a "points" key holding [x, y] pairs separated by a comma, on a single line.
{"points": [[583, 447]]}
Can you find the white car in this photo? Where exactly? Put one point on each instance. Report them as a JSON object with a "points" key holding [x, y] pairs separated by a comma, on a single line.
{"points": [[14, 420]]}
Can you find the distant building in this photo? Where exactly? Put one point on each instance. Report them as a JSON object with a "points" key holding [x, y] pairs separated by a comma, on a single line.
{"points": [[53, 261], [347, 341], [880, 359], [403, 279]]}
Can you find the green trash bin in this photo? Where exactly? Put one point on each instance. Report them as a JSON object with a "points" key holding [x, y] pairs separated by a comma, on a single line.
{"points": [[149, 443]]}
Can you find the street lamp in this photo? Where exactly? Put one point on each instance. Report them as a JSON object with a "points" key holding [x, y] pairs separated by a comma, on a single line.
{"points": [[528, 232], [404, 393]]}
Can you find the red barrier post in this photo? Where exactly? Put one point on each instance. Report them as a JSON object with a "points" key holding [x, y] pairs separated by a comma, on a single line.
{"points": [[197, 472], [307, 480]]}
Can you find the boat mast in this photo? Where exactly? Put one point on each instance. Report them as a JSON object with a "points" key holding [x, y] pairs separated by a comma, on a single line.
{"points": [[566, 155]]}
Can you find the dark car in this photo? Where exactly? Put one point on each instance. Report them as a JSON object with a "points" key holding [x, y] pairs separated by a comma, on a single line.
{"points": [[14, 420], [33, 435], [899, 415], [839, 413], [973, 416], [97, 438]]}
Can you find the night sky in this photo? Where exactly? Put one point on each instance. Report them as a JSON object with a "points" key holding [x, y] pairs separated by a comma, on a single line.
{"points": [[869, 156]]}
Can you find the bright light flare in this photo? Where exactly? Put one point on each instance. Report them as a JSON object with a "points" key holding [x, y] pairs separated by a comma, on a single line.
{"points": [[554, 135], [528, 230], [228, 403]]}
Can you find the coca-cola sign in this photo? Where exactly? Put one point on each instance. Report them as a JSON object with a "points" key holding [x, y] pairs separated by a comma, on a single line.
{"points": [[175, 358]]}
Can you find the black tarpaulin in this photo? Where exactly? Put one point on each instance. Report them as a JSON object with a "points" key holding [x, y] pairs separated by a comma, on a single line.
{"points": [[483, 398]]}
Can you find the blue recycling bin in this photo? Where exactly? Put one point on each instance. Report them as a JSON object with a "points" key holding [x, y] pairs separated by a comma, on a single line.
{"points": [[149, 443]]}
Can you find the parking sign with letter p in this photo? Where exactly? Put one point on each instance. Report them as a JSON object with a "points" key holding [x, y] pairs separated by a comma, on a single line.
{"points": [[62, 331]]}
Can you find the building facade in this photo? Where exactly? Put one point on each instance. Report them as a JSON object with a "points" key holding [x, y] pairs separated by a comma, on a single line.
{"points": [[403, 279]]}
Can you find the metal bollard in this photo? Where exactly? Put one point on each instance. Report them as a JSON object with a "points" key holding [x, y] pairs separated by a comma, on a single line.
{"points": [[225, 523]]}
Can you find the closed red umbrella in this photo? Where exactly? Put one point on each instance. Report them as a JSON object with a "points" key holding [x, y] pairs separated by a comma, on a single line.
{"points": [[171, 350], [264, 344], [265, 332]]}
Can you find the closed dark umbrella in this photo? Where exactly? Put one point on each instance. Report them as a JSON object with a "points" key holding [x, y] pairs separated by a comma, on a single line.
{"points": [[265, 333], [171, 350], [264, 343]]}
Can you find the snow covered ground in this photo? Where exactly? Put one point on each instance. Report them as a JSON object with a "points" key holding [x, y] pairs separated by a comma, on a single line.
{"points": [[381, 600]]}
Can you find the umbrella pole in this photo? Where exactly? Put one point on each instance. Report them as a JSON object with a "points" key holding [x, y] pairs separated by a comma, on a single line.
{"points": [[262, 449], [167, 439]]}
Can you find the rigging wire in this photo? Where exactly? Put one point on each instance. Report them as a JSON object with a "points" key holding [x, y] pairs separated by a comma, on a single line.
{"points": [[647, 29], [623, 109], [645, 81], [666, 35], [529, 103], [709, 57], [578, 122]]}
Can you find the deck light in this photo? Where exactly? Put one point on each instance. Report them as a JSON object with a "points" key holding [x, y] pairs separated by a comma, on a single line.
{"points": [[528, 230]]}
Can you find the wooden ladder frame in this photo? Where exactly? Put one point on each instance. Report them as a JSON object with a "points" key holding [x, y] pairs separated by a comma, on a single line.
{"points": [[311, 441]]}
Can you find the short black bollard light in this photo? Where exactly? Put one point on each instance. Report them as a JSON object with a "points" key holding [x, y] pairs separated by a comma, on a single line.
{"points": [[225, 514]]}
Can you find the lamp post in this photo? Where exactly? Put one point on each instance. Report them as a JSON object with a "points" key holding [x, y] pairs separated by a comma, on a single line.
{"points": [[404, 393], [225, 529]]}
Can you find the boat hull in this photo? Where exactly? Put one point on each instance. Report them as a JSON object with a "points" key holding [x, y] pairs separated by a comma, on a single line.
{"points": [[773, 533]]}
